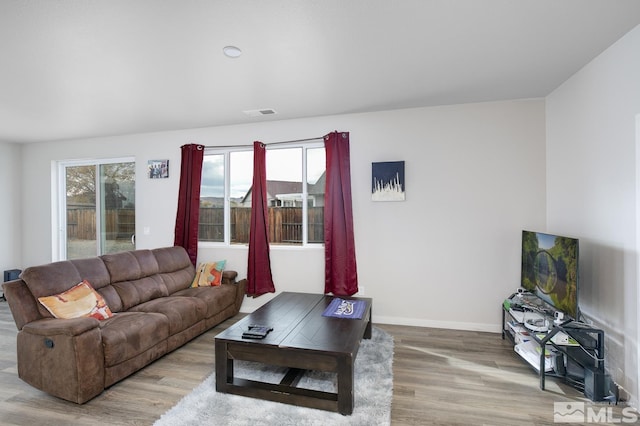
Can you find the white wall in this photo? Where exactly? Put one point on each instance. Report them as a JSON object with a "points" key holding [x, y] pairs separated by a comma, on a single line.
{"points": [[592, 193], [446, 257], [10, 198]]}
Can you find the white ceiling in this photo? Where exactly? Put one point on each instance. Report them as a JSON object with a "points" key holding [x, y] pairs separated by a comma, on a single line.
{"points": [[85, 68]]}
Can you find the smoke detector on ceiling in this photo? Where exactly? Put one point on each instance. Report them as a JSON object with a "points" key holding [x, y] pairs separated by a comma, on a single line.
{"points": [[231, 51], [259, 112]]}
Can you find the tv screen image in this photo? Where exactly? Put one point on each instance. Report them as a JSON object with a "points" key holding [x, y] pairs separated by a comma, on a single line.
{"points": [[550, 270]]}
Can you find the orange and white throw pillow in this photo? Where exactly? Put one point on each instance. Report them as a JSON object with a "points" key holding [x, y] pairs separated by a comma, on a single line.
{"points": [[79, 301], [209, 274]]}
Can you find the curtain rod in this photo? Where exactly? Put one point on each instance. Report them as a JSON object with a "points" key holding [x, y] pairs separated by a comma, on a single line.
{"points": [[266, 143]]}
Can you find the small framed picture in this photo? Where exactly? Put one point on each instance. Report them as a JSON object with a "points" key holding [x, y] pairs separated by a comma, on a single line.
{"points": [[387, 181], [158, 169]]}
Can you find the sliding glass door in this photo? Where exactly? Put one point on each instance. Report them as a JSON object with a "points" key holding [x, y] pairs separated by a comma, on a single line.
{"points": [[97, 207]]}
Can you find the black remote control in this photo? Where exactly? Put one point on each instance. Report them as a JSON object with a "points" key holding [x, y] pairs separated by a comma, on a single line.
{"points": [[259, 328], [256, 331]]}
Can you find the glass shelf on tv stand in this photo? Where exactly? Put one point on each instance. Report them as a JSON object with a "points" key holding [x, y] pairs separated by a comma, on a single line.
{"points": [[532, 303], [587, 351]]}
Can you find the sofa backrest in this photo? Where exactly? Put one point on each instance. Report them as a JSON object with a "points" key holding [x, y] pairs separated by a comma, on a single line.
{"points": [[56, 277], [134, 277], [174, 267], [124, 279]]}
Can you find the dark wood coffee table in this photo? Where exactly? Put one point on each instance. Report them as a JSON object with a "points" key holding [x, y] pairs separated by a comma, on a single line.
{"points": [[302, 339]]}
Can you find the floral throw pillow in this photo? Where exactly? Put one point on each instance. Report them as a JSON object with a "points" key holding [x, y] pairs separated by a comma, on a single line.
{"points": [[209, 274], [79, 301]]}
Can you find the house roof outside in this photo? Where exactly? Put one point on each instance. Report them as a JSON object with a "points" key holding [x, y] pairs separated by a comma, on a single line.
{"points": [[278, 188]]}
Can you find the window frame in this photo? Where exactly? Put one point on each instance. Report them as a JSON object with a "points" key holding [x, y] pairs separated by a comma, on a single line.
{"points": [[59, 238], [226, 152]]}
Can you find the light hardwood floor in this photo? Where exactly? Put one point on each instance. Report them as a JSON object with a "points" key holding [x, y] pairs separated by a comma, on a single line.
{"points": [[441, 377]]}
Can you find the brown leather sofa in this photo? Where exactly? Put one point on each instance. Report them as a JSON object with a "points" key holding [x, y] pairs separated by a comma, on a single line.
{"points": [[155, 311]]}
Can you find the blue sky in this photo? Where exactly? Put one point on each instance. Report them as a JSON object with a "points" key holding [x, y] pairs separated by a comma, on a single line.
{"points": [[546, 241]]}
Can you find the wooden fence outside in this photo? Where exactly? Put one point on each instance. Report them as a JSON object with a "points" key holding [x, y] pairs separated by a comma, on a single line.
{"points": [[119, 223], [285, 224]]}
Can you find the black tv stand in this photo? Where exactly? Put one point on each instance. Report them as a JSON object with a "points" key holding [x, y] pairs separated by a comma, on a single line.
{"points": [[573, 351]]}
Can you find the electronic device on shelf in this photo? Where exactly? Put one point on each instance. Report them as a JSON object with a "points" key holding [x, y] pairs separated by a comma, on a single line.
{"points": [[537, 324], [550, 270]]}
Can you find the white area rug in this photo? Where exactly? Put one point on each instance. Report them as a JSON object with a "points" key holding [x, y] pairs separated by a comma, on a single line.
{"points": [[373, 391]]}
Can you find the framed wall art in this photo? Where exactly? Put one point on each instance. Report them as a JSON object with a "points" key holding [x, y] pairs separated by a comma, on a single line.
{"points": [[158, 169], [387, 181]]}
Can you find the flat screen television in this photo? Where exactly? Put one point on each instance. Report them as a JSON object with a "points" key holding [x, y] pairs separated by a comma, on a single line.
{"points": [[550, 270]]}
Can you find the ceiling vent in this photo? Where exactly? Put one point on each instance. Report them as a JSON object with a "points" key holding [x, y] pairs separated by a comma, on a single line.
{"points": [[259, 112]]}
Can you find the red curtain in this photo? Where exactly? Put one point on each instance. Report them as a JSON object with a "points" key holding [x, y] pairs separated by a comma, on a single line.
{"points": [[186, 233], [341, 275], [259, 276]]}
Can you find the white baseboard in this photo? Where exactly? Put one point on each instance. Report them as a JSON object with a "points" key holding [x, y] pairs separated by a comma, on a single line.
{"points": [[450, 325], [416, 322]]}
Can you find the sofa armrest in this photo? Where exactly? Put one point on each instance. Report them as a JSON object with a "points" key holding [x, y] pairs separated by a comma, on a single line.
{"points": [[63, 357], [229, 277], [24, 307], [67, 327], [241, 289]]}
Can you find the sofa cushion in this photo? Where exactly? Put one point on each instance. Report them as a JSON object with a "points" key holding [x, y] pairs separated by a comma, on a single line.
{"points": [[171, 258], [128, 334], [112, 298], [53, 278], [130, 265], [79, 301], [135, 292], [182, 312], [177, 280], [175, 267], [215, 298], [94, 270]]}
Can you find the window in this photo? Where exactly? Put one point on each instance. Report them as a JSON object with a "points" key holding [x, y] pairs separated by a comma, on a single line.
{"points": [[97, 214], [218, 169], [295, 195]]}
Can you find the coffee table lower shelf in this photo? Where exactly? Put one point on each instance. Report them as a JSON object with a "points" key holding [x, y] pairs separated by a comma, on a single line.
{"points": [[286, 391]]}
